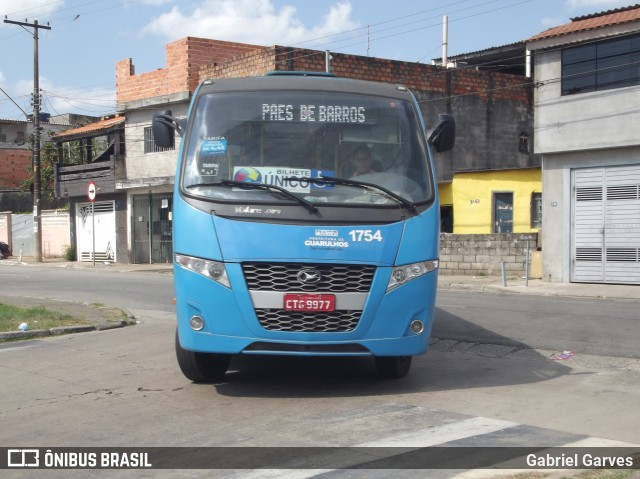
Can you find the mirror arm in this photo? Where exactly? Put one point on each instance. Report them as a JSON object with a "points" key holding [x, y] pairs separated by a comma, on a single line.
{"points": [[173, 122]]}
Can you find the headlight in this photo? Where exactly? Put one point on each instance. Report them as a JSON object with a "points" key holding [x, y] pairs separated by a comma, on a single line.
{"points": [[401, 274], [214, 270]]}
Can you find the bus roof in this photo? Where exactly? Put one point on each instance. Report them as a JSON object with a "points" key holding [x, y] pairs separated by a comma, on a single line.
{"points": [[304, 81]]}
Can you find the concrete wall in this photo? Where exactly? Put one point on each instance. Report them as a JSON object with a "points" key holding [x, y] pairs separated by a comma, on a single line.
{"points": [[55, 233], [481, 255], [17, 231], [5, 228], [584, 121], [141, 165]]}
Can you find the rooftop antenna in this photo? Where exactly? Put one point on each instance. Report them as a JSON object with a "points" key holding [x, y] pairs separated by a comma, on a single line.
{"points": [[368, 40], [445, 40]]}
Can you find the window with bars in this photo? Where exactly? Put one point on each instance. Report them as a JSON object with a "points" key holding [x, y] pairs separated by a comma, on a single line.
{"points": [[536, 210], [150, 144], [601, 65]]}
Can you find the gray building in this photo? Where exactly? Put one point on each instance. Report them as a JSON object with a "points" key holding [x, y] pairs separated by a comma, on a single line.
{"points": [[587, 112]]}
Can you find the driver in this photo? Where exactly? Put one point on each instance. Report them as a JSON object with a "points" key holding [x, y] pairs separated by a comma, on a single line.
{"points": [[362, 161]]}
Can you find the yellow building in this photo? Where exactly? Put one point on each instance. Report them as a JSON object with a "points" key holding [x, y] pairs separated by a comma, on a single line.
{"points": [[505, 201]]}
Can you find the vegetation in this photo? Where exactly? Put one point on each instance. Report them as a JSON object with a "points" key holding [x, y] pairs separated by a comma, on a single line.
{"points": [[73, 153], [69, 252], [36, 318]]}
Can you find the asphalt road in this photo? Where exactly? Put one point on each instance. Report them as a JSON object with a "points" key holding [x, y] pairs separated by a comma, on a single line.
{"points": [[589, 326], [123, 387], [146, 290]]}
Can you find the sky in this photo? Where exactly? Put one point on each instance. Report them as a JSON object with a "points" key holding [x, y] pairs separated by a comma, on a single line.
{"points": [[77, 56]]}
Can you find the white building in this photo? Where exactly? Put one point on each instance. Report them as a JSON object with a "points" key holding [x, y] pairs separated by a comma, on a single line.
{"points": [[587, 117]]}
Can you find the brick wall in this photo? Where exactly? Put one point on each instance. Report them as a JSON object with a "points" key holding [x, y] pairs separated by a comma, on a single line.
{"points": [[482, 254], [416, 76], [191, 60], [15, 167], [185, 58], [253, 63]]}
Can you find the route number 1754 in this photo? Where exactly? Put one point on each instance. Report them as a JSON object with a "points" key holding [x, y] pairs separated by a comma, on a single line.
{"points": [[365, 235]]}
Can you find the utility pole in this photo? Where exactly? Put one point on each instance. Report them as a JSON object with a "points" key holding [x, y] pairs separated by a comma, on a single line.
{"points": [[37, 189]]}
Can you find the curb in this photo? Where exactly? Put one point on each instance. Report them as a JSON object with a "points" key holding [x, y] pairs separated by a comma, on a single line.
{"points": [[536, 290], [62, 330]]}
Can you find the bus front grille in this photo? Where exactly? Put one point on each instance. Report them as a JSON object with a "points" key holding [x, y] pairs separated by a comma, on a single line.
{"points": [[290, 278], [341, 321], [333, 278]]}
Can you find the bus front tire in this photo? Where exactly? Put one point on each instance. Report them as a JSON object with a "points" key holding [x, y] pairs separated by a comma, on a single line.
{"points": [[201, 367], [393, 367]]}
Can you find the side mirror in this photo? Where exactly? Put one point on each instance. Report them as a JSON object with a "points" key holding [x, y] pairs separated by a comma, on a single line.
{"points": [[443, 135], [163, 126]]}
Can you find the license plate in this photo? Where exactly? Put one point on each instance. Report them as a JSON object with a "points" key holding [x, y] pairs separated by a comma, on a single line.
{"points": [[309, 302]]}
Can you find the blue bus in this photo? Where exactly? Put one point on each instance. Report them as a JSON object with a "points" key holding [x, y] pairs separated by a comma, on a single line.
{"points": [[305, 221]]}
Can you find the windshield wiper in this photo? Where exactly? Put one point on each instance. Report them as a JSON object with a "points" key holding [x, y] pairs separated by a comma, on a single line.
{"points": [[324, 180], [261, 186]]}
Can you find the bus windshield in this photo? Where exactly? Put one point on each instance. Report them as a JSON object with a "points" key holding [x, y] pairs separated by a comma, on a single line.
{"points": [[285, 140]]}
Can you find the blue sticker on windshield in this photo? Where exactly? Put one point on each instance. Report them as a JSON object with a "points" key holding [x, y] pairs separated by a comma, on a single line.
{"points": [[214, 146], [319, 174]]}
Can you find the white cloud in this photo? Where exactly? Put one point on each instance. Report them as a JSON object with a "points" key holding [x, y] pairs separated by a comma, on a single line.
{"points": [[20, 94], [92, 102], [56, 99], [607, 4], [155, 2], [249, 21], [550, 22]]}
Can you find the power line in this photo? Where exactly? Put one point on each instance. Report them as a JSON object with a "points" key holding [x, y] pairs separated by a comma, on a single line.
{"points": [[12, 101], [378, 32], [357, 39]]}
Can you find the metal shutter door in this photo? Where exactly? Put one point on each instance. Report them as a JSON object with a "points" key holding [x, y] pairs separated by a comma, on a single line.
{"points": [[588, 225], [606, 225], [622, 225]]}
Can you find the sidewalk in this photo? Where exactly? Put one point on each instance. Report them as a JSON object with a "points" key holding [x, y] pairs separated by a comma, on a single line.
{"points": [[482, 284], [493, 284], [28, 261]]}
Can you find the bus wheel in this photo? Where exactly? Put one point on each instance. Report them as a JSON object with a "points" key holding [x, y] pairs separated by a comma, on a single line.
{"points": [[201, 367], [393, 367]]}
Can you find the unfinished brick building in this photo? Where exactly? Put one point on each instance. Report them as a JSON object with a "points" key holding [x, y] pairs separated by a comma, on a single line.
{"points": [[493, 112]]}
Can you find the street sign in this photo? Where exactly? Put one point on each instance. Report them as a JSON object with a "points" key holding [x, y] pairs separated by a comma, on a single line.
{"points": [[91, 191]]}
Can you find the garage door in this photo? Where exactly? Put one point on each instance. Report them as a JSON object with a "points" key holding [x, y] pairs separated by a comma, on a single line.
{"points": [[103, 243], [606, 225]]}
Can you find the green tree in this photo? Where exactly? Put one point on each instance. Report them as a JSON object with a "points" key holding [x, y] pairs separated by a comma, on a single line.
{"points": [[72, 154]]}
